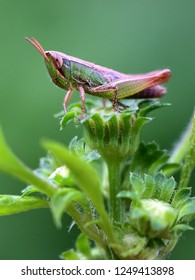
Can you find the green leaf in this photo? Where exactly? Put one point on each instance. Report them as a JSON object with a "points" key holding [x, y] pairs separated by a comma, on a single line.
{"points": [[167, 189], [180, 197], [83, 246], [147, 106], [62, 199], [11, 164], [149, 186], [187, 212], [114, 130], [159, 184], [137, 184], [70, 255], [46, 166], [72, 115], [125, 131], [77, 146], [33, 192], [136, 129], [86, 177], [11, 204], [28, 191], [148, 159], [179, 228], [82, 252], [170, 168], [140, 121], [128, 195]]}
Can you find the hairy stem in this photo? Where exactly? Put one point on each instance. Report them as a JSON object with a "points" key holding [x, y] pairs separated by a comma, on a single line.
{"points": [[114, 175], [189, 162]]}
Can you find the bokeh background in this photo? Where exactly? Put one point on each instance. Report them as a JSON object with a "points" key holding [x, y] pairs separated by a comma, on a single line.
{"points": [[131, 36]]}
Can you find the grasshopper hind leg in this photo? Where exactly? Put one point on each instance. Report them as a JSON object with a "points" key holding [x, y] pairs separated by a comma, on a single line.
{"points": [[115, 102], [82, 95]]}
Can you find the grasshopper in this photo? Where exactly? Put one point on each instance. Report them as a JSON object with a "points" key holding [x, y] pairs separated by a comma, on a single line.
{"points": [[71, 73]]}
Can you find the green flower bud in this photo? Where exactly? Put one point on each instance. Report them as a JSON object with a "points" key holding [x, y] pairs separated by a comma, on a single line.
{"points": [[152, 217]]}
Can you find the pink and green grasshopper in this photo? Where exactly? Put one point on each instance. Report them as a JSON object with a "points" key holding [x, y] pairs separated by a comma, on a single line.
{"points": [[71, 73]]}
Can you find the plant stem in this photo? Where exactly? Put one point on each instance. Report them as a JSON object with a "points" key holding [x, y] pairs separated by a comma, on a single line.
{"points": [[189, 161], [181, 147], [89, 231], [111, 254], [114, 175]]}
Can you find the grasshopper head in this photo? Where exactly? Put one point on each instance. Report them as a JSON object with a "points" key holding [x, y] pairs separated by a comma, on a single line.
{"points": [[53, 61]]}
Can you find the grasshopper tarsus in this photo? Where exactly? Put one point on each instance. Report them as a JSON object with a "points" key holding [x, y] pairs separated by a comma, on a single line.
{"points": [[81, 117], [123, 106]]}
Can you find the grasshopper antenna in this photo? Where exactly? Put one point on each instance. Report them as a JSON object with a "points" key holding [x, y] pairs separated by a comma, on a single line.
{"points": [[37, 45]]}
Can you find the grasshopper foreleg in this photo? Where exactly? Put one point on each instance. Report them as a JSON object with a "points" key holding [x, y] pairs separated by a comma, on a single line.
{"points": [[82, 95], [67, 98]]}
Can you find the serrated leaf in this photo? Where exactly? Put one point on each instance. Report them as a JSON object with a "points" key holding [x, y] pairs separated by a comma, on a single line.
{"points": [[149, 186], [137, 184], [77, 145], [167, 189], [12, 204], [160, 180], [80, 147], [62, 199], [46, 166]]}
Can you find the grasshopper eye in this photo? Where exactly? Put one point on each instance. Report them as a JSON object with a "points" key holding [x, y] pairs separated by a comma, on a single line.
{"points": [[56, 59], [59, 62]]}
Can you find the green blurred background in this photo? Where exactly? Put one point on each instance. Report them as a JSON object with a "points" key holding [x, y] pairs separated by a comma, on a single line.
{"points": [[131, 36]]}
